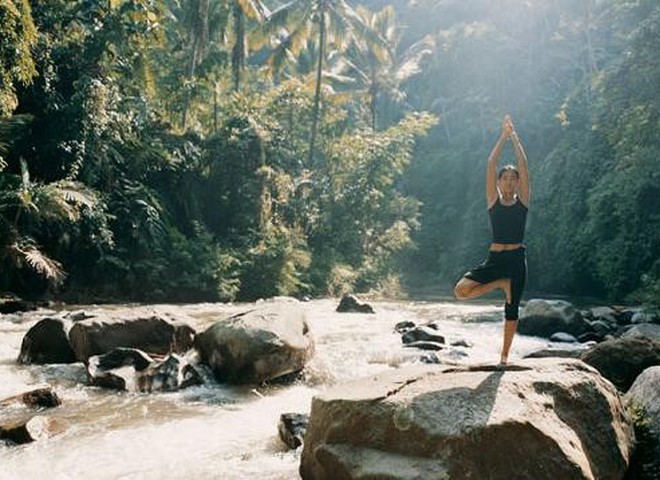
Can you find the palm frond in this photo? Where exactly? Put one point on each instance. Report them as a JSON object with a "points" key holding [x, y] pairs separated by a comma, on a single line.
{"points": [[254, 9], [411, 63], [287, 15], [63, 199], [26, 252]]}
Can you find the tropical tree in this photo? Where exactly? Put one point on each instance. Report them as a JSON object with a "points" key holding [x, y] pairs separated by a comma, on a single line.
{"points": [[19, 36], [253, 10], [374, 66], [330, 21], [27, 208]]}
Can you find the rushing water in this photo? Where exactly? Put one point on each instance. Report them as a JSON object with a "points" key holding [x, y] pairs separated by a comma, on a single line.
{"points": [[215, 431]]}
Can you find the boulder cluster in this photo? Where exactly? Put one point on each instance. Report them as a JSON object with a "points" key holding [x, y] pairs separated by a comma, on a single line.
{"points": [[150, 353], [585, 407]]}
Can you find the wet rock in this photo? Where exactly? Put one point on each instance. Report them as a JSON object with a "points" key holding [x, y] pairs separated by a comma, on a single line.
{"points": [[144, 373], [542, 318], [644, 398], [292, 428], [15, 305], [645, 317], [647, 330], [563, 337], [541, 419], [601, 327], [598, 312], [350, 303], [37, 398], [153, 334], [47, 342], [461, 342], [556, 352], [257, 345], [425, 345], [591, 337], [404, 326], [622, 360], [430, 358], [422, 333], [31, 429]]}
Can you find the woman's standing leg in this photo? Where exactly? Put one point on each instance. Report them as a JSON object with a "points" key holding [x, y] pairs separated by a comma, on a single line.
{"points": [[518, 277]]}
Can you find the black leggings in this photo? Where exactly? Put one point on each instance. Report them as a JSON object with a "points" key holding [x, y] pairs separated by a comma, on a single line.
{"points": [[511, 264]]}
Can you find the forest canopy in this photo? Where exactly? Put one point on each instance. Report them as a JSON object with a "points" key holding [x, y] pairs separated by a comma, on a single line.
{"points": [[214, 150]]}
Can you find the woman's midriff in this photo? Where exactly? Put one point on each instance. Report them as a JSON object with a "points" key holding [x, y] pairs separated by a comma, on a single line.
{"points": [[503, 247]]}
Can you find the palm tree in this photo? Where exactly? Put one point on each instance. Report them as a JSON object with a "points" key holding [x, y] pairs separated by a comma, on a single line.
{"points": [[329, 21], [374, 67], [241, 9], [24, 206]]}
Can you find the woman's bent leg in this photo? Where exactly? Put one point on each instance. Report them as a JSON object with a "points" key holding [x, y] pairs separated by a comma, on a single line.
{"points": [[467, 288]]}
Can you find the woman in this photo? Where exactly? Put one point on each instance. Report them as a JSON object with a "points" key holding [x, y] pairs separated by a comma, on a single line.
{"points": [[507, 198]]}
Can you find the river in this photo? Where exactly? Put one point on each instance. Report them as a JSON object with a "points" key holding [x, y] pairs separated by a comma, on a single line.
{"points": [[216, 431]]}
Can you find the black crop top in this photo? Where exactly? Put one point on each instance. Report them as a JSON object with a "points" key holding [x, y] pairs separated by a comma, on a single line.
{"points": [[508, 223]]}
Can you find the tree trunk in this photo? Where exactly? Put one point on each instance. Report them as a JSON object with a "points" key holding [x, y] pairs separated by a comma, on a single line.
{"points": [[373, 95], [317, 94], [238, 51]]}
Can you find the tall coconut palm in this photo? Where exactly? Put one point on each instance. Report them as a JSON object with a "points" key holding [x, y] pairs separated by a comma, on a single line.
{"points": [[329, 21], [376, 68], [253, 10]]}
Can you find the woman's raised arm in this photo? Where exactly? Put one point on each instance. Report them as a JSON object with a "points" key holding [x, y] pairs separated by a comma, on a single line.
{"points": [[491, 170], [524, 190]]}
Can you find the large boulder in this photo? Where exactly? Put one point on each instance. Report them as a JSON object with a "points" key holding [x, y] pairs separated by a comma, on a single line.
{"points": [[257, 345], [644, 398], [542, 318], [153, 334], [621, 360], [540, 419], [47, 342]]}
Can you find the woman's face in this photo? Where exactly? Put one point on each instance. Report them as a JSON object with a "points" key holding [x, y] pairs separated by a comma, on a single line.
{"points": [[508, 182]]}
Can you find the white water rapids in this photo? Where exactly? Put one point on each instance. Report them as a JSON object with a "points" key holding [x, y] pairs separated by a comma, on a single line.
{"points": [[215, 431]]}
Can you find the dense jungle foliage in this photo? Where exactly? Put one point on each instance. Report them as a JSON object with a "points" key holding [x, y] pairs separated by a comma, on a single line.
{"points": [[191, 150]]}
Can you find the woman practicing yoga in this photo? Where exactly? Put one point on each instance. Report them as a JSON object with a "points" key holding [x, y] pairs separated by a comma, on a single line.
{"points": [[507, 198]]}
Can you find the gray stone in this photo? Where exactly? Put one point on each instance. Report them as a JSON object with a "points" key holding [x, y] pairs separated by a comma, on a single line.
{"points": [[601, 327], [645, 392], [257, 345], [645, 317], [648, 330], [37, 398], [621, 360], [153, 334], [30, 429], [542, 318], [644, 398], [556, 352], [422, 333], [540, 419], [350, 303], [425, 345], [47, 342], [133, 370], [563, 337], [292, 428]]}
